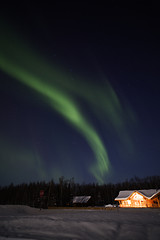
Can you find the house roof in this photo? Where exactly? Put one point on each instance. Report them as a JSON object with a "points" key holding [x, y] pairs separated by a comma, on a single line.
{"points": [[81, 199], [150, 193], [124, 194]]}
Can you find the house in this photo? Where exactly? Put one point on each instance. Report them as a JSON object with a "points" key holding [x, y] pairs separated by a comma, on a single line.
{"points": [[139, 198], [81, 200]]}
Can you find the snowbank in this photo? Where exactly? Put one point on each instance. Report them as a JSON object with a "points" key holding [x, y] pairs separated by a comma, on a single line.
{"points": [[8, 210]]}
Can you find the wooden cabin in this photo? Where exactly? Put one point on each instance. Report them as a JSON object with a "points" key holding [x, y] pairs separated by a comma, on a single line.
{"points": [[139, 198]]}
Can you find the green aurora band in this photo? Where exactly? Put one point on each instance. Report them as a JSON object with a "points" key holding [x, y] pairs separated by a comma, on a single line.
{"points": [[59, 91], [24, 159], [64, 105]]}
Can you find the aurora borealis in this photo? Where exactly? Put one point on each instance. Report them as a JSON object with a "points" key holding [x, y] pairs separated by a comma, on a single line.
{"points": [[63, 105], [59, 101]]}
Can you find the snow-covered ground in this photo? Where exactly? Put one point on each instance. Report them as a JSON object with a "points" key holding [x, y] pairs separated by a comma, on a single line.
{"points": [[22, 222]]}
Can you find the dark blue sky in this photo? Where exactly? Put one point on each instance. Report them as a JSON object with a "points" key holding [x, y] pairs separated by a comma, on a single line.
{"points": [[93, 45]]}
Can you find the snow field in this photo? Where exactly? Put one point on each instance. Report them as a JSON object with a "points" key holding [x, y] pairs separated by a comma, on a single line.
{"points": [[22, 222]]}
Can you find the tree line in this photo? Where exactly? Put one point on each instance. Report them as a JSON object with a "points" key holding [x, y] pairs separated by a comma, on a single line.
{"points": [[50, 194]]}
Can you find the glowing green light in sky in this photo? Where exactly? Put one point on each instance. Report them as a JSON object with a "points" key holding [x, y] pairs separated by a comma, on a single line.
{"points": [[19, 164], [59, 91], [59, 100]]}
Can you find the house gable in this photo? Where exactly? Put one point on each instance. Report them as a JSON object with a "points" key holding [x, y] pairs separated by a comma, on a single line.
{"points": [[136, 196]]}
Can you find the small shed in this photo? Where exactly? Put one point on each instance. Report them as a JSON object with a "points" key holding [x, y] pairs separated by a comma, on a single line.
{"points": [[81, 200], [139, 198]]}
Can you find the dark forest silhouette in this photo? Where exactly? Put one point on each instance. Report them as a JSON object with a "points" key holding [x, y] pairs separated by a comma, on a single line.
{"points": [[62, 193]]}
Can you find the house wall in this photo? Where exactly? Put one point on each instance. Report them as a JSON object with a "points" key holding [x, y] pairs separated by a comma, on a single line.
{"points": [[156, 201]]}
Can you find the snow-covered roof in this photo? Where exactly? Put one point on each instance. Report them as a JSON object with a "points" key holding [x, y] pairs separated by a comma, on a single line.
{"points": [[150, 193], [124, 194], [81, 199]]}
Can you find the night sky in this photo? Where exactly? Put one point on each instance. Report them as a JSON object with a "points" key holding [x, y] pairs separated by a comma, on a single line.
{"points": [[79, 90]]}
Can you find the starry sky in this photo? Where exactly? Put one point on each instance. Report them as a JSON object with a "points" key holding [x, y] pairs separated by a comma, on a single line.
{"points": [[79, 90]]}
